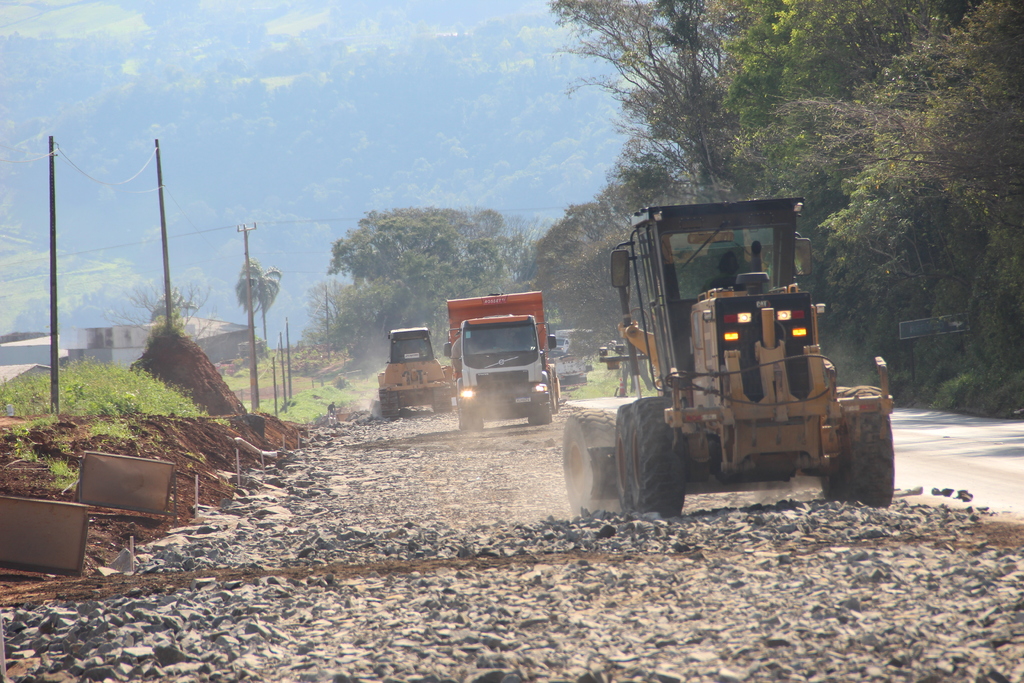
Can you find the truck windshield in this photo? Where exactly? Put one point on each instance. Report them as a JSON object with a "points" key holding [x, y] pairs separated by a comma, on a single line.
{"points": [[514, 343], [706, 260], [409, 350]]}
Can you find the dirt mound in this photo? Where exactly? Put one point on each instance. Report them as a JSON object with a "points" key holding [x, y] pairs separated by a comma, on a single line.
{"points": [[178, 361], [197, 446]]}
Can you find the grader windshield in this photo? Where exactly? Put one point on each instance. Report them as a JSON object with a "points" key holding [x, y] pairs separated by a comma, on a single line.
{"points": [[702, 261]]}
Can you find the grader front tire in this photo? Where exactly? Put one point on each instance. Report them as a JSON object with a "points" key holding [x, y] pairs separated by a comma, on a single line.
{"points": [[867, 473], [659, 472]]}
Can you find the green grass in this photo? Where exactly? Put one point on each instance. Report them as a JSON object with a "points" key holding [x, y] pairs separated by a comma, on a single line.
{"points": [[601, 382], [23, 449], [115, 429], [308, 404], [61, 470], [91, 388]]}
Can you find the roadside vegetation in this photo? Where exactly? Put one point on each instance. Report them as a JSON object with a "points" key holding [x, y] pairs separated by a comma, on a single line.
{"points": [[318, 379], [898, 121], [91, 388]]}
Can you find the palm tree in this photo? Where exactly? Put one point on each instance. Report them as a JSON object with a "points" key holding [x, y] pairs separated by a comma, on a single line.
{"points": [[265, 286]]}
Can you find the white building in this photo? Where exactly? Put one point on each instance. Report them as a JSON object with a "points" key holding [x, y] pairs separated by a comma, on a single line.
{"points": [[124, 344], [29, 352]]}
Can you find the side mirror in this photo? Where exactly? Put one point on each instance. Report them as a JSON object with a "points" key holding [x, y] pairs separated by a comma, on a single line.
{"points": [[447, 350], [620, 268], [552, 342], [802, 256]]}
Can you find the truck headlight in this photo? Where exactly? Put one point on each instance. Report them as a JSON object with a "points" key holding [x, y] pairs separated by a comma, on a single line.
{"points": [[540, 388], [467, 393]]}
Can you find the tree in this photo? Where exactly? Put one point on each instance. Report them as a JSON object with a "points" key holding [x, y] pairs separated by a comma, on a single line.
{"points": [[405, 263], [669, 55], [147, 304], [265, 286], [573, 263]]}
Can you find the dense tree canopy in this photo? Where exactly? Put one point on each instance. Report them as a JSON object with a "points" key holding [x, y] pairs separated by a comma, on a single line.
{"points": [[405, 263], [900, 121]]}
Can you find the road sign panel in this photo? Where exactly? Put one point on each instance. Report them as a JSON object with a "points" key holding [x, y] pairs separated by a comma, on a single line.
{"points": [[927, 327]]}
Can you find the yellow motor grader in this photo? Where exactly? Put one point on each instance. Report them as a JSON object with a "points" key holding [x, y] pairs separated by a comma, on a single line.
{"points": [[743, 396], [413, 377]]}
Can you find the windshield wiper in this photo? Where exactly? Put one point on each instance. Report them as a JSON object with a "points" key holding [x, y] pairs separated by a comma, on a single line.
{"points": [[500, 362]]}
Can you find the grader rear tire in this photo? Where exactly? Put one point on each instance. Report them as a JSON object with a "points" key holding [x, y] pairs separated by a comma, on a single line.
{"points": [[867, 473], [625, 427], [659, 472], [588, 459]]}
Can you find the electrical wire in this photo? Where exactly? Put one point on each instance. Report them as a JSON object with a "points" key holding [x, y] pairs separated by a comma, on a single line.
{"points": [[195, 230], [25, 161], [64, 156]]}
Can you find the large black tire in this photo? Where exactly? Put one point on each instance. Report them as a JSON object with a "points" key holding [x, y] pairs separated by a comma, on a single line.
{"points": [[471, 420], [388, 403], [625, 427], [588, 459], [442, 401], [541, 415], [659, 472], [867, 471]]}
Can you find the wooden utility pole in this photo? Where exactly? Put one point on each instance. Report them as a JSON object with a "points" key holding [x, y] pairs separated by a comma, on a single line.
{"points": [[54, 337], [288, 340], [163, 237], [327, 316], [284, 382], [254, 382], [273, 375]]}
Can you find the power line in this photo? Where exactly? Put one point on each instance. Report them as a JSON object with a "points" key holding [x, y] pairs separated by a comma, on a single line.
{"points": [[24, 161], [195, 230], [64, 156]]}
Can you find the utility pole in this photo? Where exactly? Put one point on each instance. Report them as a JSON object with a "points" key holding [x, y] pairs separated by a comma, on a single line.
{"points": [[163, 237], [327, 316], [288, 340], [254, 383], [273, 374], [54, 341], [284, 382]]}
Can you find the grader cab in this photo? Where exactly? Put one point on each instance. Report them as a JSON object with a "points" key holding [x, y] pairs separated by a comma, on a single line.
{"points": [[744, 397]]}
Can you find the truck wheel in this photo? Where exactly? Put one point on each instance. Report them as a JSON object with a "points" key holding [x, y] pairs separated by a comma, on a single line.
{"points": [[542, 415], [624, 443], [388, 403], [867, 472], [659, 472], [471, 420], [588, 458]]}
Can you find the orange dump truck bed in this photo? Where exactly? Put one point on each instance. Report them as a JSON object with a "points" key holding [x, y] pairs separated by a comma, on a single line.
{"points": [[520, 303]]}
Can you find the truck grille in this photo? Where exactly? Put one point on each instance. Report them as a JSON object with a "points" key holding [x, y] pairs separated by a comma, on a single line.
{"points": [[500, 379]]}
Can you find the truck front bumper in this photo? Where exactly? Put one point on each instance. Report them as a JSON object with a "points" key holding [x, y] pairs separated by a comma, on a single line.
{"points": [[511, 401]]}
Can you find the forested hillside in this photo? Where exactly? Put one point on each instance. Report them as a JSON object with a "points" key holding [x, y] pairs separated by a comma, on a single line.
{"points": [[900, 121], [299, 116]]}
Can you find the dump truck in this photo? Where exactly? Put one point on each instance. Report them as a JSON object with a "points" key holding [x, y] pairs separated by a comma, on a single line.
{"points": [[743, 396], [499, 348], [413, 377]]}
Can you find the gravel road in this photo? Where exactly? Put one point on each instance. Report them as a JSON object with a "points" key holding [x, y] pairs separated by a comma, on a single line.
{"points": [[405, 551]]}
